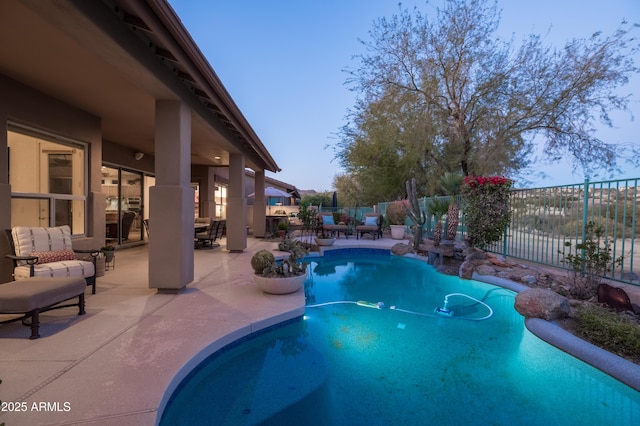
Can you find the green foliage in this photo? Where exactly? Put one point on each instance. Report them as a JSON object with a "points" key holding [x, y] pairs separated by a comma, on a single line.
{"points": [[264, 263], [451, 184], [486, 208], [396, 213], [438, 207], [351, 193], [321, 198], [291, 266], [283, 225], [609, 330], [287, 244], [590, 262], [309, 217], [440, 92], [415, 213], [337, 217]]}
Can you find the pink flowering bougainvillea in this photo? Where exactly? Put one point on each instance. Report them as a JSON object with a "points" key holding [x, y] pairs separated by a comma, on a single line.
{"points": [[486, 208]]}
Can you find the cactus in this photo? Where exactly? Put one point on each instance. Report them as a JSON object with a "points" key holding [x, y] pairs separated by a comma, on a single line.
{"points": [[262, 260], [416, 215]]}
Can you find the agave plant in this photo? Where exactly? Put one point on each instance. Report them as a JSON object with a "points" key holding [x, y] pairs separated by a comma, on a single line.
{"points": [[451, 184], [438, 207]]}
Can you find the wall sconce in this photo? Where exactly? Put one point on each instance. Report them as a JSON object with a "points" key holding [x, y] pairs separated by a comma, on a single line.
{"points": [[138, 155]]}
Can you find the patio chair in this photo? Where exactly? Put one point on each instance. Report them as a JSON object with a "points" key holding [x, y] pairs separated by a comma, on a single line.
{"points": [[371, 224], [329, 225], [205, 220], [125, 221], [145, 223], [209, 237]]}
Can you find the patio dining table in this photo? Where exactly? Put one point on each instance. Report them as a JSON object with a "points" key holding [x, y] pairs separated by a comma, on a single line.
{"points": [[199, 227]]}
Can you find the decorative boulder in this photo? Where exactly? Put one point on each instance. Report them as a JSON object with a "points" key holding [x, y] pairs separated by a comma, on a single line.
{"points": [[466, 270], [475, 255], [485, 270], [401, 249], [542, 303]]}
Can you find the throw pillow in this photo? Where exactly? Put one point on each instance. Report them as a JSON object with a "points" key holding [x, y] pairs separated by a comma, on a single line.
{"points": [[370, 221], [327, 220], [54, 256]]}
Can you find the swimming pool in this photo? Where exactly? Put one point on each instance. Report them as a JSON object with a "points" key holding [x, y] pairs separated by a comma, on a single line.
{"points": [[398, 362]]}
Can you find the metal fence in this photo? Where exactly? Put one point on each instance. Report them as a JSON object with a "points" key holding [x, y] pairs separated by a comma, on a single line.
{"points": [[544, 220]]}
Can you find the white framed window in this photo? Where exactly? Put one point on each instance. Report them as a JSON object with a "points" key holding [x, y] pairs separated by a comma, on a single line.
{"points": [[48, 178]]}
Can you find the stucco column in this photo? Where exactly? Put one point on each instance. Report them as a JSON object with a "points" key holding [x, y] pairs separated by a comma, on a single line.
{"points": [[236, 205], [6, 265], [171, 200], [259, 215], [208, 194]]}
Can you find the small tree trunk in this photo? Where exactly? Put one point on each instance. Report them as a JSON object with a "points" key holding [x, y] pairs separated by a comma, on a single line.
{"points": [[437, 234], [452, 220]]}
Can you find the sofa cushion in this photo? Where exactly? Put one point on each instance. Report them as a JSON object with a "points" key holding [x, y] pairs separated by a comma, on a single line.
{"points": [[64, 268], [370, 221], [327, 220], [34, 293], [54, 256]]}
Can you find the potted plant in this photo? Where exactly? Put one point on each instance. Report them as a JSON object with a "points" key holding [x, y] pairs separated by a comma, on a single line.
{"points": [[283, 227], [324, 239], [397, 215], [280, 277], [108, 252]]}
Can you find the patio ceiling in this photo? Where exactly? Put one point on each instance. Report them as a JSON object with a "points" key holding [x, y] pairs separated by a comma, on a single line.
{"points": [[114, 58]]}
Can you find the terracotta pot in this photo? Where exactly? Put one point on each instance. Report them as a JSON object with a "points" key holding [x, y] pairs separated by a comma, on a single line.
{"points": [[280, 285]]}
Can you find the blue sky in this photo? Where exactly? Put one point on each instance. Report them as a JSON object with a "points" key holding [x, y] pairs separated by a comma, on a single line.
{"points": [[283, 61]]}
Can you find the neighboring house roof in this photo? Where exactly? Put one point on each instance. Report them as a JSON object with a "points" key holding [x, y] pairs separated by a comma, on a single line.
{"points": [[114, 59], [291, 189]]}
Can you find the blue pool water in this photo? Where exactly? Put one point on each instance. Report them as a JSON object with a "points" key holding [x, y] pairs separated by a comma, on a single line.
{"points": [[355, 364]]}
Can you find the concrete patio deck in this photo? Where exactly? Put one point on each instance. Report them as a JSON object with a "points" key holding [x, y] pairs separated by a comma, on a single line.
{"points": [[118, 364]]}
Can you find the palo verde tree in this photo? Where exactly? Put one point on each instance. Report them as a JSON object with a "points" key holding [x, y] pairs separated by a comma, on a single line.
{"points": [[443, 93]]}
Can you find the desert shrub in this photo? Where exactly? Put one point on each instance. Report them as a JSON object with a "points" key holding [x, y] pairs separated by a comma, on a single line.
{"points": [[590, 262], [396, 213], [614, 332]]}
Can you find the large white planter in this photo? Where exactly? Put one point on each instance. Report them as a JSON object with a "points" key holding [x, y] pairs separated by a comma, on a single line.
{"points": [[397, 232], [325, 241], [280, 285]]}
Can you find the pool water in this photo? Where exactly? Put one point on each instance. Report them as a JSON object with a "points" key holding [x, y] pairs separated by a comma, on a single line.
{"points": [[355, 364]]}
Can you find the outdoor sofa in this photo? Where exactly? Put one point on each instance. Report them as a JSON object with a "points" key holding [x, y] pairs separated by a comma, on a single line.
{"points": [[48, 252]]}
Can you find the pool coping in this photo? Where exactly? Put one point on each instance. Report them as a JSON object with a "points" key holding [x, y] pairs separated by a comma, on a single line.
{"points": [[615, 366]]}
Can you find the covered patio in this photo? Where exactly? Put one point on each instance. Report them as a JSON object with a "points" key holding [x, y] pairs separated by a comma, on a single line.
{"points": [[122, 83]]}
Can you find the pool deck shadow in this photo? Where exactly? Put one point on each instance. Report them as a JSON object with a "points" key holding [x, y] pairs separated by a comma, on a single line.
{"points": [[119, 363]]}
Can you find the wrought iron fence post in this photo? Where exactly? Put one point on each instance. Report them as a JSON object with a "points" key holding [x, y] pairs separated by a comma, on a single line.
{"points": [[585, 215], [504, 242]]}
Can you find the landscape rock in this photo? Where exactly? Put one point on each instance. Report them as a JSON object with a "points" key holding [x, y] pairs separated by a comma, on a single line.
{"points": [[476, 255], [466, 270], [401, 249], [542, 303], [486, 270]]}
